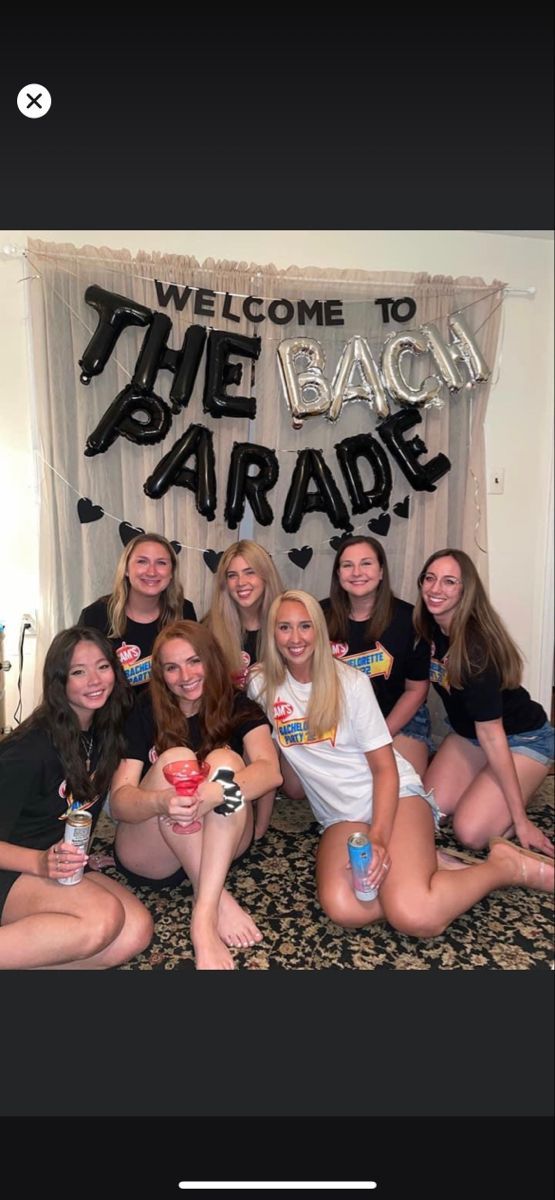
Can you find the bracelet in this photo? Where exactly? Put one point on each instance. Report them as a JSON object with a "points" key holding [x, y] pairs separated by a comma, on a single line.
{"points": [[233, 796]]}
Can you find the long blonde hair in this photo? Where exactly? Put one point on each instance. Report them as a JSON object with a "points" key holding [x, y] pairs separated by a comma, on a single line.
{"points": [[325, 706], [171, 599], [224, 616], [477, 636]]}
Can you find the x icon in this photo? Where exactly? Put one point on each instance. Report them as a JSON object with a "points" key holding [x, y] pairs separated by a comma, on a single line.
{"points": [[34, 100]]}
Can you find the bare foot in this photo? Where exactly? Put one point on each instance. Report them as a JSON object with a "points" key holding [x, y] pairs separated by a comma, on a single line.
{"points": [[235, 926], [524, 868], [210, 952]]}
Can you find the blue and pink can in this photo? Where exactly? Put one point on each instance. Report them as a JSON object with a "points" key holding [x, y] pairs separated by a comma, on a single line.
{"points": [[360, 857]]}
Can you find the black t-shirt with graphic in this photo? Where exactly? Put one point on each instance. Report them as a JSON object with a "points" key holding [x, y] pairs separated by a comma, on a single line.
{"points": [[481, 698], [390, 660], [140, 731], [33, 801], [134, 649]]}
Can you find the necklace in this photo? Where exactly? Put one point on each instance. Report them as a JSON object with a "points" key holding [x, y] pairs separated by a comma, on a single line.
{"points": [[87, 741]]}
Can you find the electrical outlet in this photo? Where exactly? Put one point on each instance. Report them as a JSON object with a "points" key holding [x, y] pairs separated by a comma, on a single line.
{"points": [[30, 619], [496, 482]]}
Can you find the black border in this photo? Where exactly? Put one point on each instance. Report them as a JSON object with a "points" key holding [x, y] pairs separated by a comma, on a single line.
{"points": [[412, 125]]}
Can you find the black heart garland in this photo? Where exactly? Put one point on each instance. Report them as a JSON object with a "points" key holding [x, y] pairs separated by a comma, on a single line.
{"points": [[301, 557], [402, 507], [87, 511], [212, 558], [127, 532], [380, 525]]}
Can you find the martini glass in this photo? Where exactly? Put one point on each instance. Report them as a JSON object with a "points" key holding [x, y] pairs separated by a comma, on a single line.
{"points": [[185, 776]]}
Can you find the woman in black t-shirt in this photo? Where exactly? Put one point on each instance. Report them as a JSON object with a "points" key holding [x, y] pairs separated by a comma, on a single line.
{"points": [[487, 770], [193, 709], [61, 760], [372, 630], [146, 596]]}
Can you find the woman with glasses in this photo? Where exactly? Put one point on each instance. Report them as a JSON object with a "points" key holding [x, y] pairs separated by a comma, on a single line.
{"points": [[501, 744]]}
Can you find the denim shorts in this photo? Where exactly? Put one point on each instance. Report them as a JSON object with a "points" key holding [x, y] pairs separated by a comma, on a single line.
{"points": [[538, 744], [410, 784], [420, 727]]}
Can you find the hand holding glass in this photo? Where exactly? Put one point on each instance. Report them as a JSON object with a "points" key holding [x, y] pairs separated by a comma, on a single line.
{"points": [[186, 776]]}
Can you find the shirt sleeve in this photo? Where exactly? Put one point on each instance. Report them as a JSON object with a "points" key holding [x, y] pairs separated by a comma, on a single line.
{"points": [[250, 715], [189, 613], [367, 720], [21, 778]]}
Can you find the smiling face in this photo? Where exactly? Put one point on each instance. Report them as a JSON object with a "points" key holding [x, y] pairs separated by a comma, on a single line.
{"points": [[245, 587], [295, 639], [442, 589], [359, 571], [90, 681], [149, 569], [183, 673]]}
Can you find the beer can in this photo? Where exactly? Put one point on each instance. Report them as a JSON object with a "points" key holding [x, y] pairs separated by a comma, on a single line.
{"points": [[78, 832], [360, 857]]}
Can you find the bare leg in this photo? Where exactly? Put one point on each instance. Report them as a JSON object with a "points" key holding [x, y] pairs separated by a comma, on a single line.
{"points": [[334, 880], [420, 900], [465, 786], [94, 925], [263, 808], [414, 751], [291, 785]]}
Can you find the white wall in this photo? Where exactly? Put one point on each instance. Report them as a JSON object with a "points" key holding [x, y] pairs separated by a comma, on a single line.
{"points": [[519, 428]]}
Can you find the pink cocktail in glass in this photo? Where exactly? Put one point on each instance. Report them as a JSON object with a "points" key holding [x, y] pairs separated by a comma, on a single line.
{"points": [[185, 776]]}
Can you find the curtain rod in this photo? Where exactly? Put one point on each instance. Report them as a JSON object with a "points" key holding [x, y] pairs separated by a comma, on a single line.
{"points": [[12, 251]]}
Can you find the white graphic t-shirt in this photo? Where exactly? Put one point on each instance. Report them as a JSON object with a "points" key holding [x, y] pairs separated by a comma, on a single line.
{"points": [[333, 769]]}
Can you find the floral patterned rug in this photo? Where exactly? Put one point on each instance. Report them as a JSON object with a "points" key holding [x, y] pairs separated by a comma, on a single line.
{"points": [[509, 930]]}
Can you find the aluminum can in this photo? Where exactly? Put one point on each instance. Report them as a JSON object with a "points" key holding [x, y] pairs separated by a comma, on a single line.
{"points": [[360, 857], [78, 832]]}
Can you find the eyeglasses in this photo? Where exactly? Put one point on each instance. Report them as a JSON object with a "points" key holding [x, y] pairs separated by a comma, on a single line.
{"points": [[447, 581]]}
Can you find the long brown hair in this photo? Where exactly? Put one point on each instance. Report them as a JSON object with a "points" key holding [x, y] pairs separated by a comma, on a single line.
{"points": [[224, 615], [337, 617], [477, 636], [171, 599], [56, 716], [215, 713]]}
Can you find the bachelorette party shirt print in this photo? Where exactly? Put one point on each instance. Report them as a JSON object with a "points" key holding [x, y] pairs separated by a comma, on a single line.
{"points": [[390, 660], [134, 650]]}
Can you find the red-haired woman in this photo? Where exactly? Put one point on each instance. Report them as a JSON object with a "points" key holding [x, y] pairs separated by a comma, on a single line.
{"points": [[193, 709]]}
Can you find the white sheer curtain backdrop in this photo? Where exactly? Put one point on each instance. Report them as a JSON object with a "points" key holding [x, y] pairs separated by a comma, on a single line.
{"points": [[77, 561]]}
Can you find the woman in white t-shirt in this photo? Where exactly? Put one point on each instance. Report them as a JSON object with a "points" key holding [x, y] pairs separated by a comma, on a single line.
{"points": [[328, 725]]}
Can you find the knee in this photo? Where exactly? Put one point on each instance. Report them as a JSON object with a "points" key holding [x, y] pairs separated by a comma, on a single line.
{"points": [[414, 917], [101, 926], [337, 904], [468, 828], [137, 932]]}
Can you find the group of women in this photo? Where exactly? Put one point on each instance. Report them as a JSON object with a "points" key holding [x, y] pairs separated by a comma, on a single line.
{"points": [[272, 687]]}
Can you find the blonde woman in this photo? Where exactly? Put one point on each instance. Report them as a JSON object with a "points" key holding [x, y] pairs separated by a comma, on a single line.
{"points": [[328, 725], [246, 583], [501, 744], [146, 595]]}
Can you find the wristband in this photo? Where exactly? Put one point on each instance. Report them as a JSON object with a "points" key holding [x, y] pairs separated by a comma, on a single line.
{"points": [[233, 796]]}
